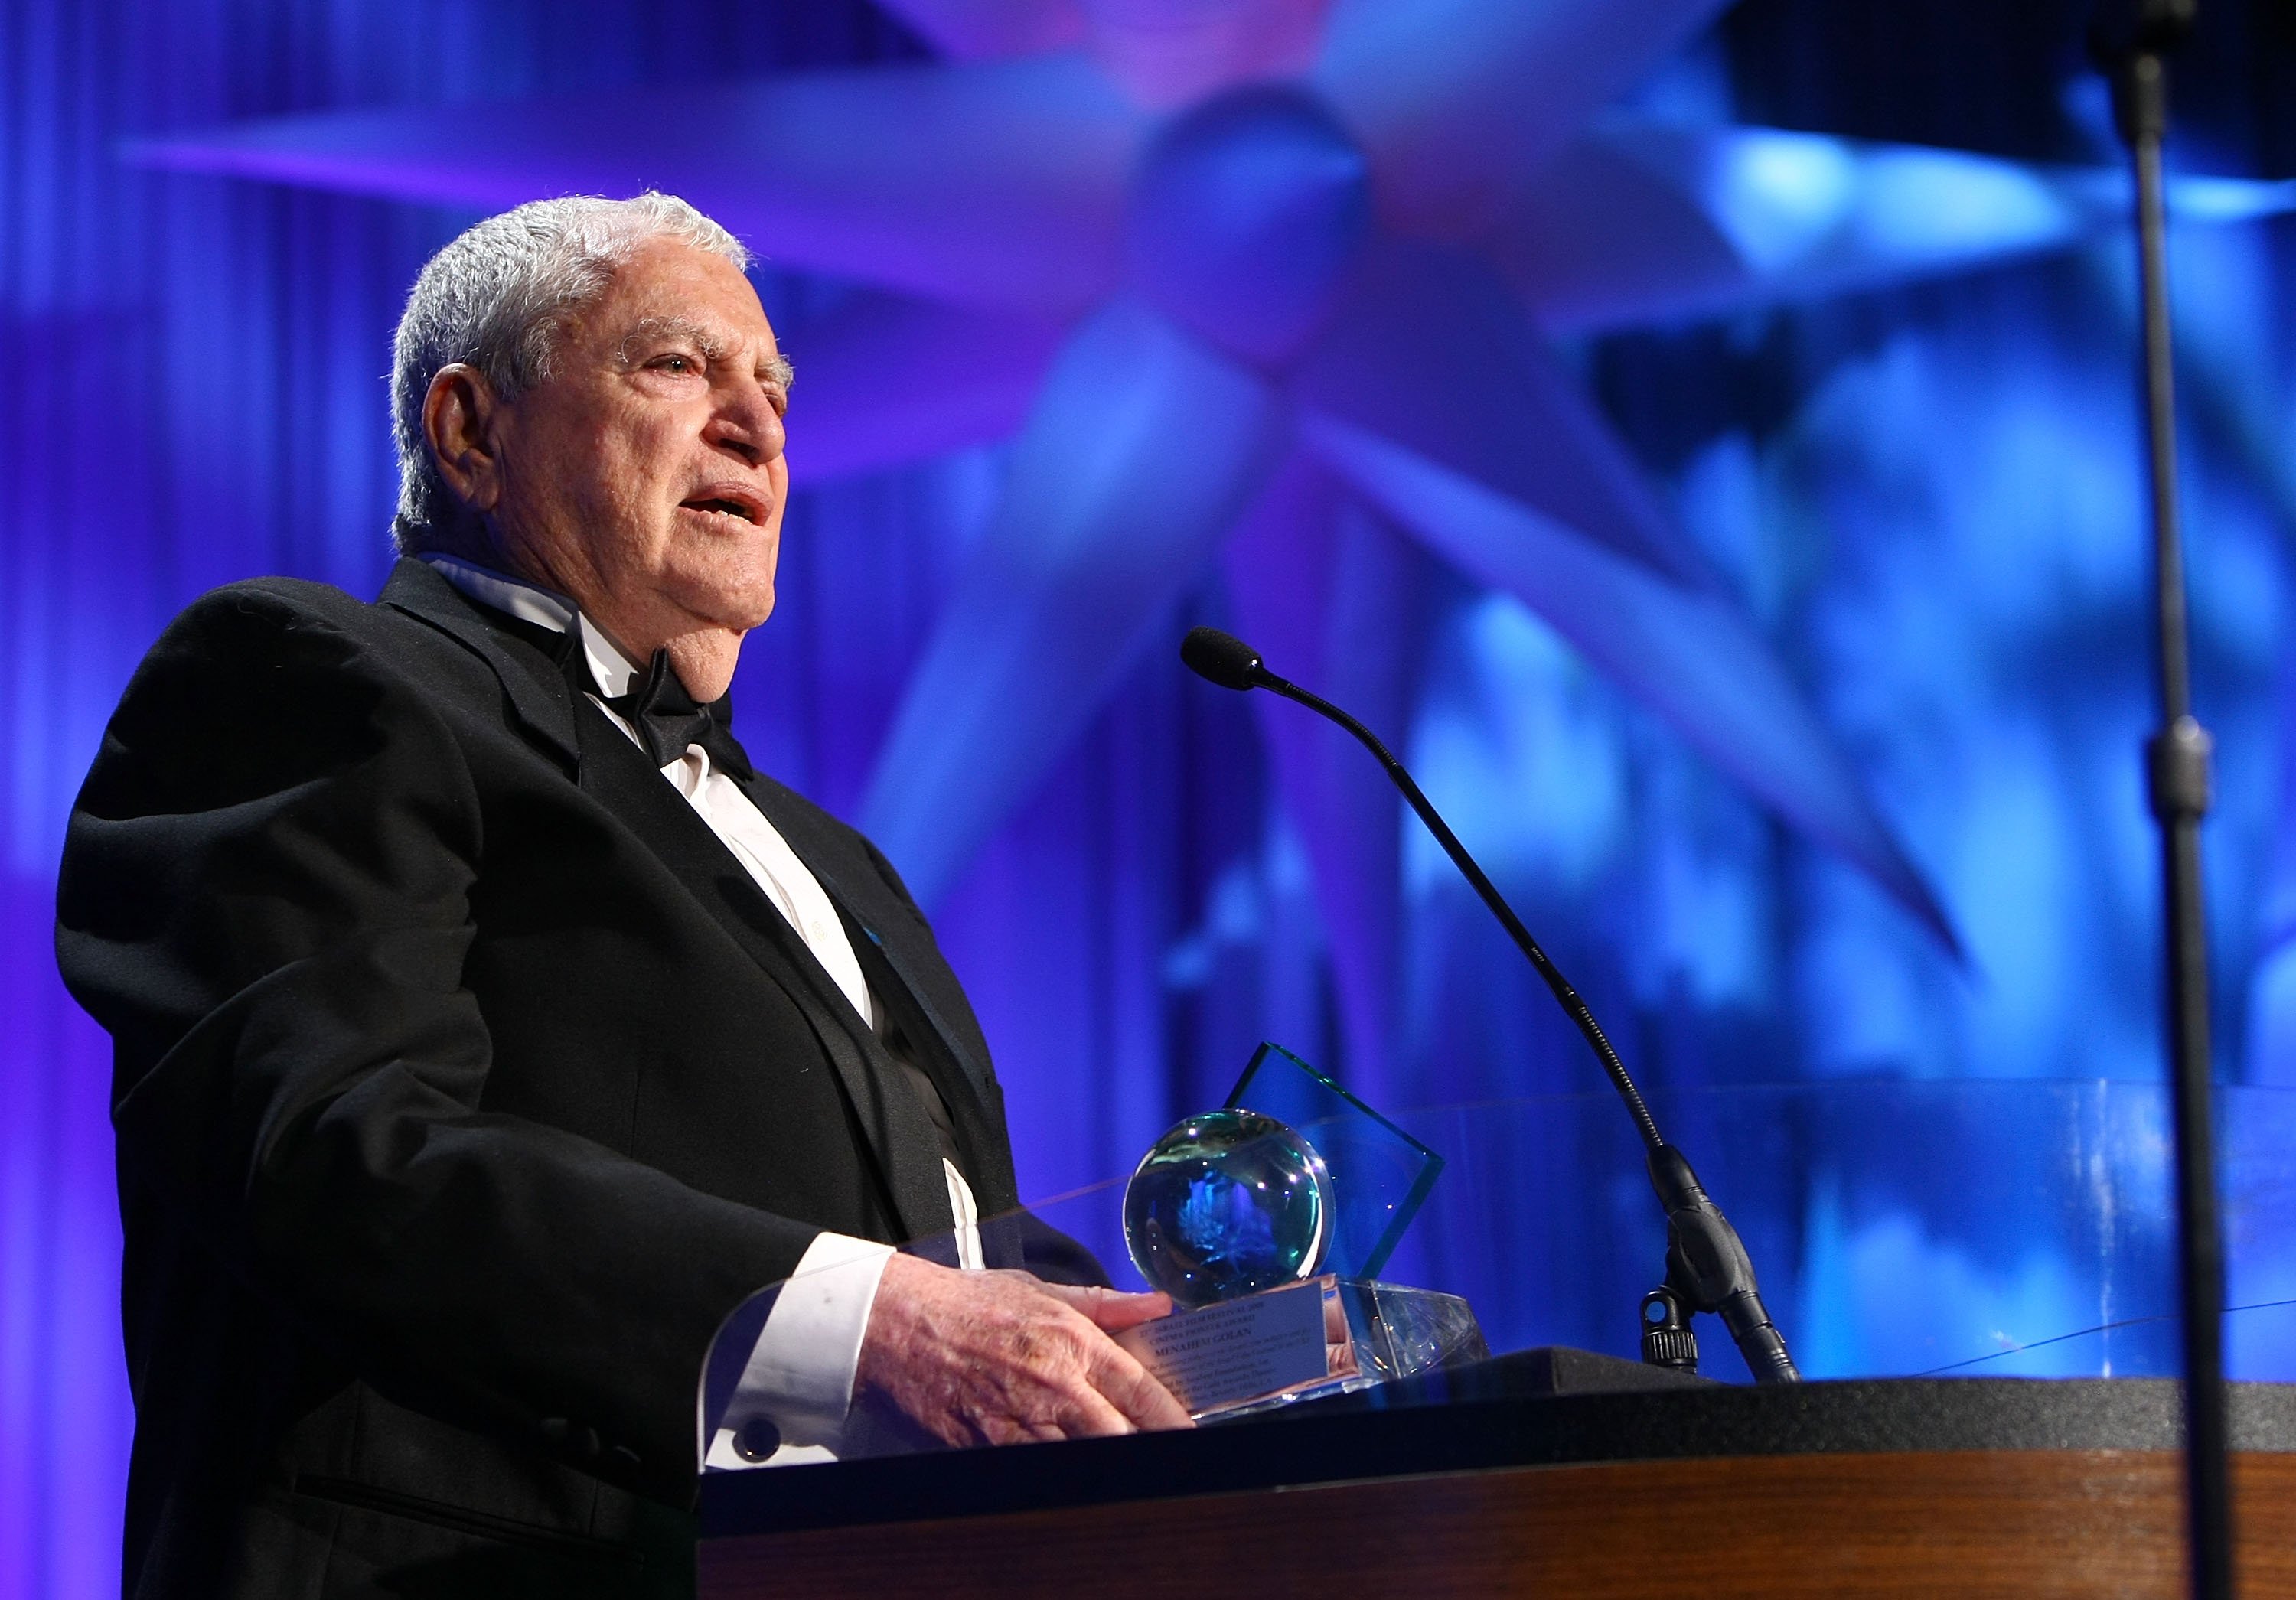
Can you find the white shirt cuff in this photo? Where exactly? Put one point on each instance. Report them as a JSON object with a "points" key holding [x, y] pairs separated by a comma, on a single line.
{"points": [[799, 1374]]}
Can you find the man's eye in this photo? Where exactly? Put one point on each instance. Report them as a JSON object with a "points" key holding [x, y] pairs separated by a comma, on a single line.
{"points": [[674, 364]]}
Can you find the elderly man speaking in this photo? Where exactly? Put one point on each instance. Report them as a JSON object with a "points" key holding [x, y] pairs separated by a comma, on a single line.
{"points": [[488, 1033]]}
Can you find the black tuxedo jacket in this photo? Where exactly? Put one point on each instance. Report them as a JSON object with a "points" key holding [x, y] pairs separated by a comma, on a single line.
{"points": [[464, 1084]]}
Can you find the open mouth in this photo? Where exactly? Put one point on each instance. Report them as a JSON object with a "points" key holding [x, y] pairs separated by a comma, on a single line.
{"points": [[726, 508]]}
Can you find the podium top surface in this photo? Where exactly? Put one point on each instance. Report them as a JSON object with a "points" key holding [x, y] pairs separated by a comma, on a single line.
{"points": [[1533, 1407]]}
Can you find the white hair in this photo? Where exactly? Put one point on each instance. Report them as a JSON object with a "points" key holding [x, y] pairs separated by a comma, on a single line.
{"points": [[494, 299]]}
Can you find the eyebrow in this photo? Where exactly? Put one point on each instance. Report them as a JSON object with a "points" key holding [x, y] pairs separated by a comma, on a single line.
{"points": [[777, 367]]}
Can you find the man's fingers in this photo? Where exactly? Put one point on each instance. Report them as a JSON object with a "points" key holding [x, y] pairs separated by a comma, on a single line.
{"points": [[1135, 1391], [1016, 1430], [1091, 1415], [1110, 1309]]}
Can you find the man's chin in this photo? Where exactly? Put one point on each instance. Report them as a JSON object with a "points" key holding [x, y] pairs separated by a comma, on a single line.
{"points": [[723, 588], [736, 612]]}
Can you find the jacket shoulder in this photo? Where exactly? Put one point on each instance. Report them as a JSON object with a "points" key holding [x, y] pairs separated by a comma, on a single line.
{"points": [[270, 682], [265, 607], [277, 625]]}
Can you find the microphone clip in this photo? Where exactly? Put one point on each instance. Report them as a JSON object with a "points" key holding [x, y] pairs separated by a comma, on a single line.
{"points": [[1668, 1337], [1707, 1269]]}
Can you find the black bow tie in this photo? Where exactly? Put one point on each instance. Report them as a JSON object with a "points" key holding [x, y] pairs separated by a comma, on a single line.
{"points": [[668, 719]]}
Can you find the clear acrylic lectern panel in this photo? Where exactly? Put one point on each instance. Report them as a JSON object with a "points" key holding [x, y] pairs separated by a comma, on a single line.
{"points": [[1995, 1229]]}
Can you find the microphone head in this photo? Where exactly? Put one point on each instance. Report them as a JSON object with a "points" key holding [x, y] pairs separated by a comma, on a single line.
{"points": [[1222, 658]]}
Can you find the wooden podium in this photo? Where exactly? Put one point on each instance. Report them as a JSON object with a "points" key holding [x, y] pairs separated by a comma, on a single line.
{"points": [[1532, 1478]]}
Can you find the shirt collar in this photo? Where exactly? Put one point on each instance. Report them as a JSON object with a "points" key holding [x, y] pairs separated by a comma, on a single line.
{"points": [[612, 672]]}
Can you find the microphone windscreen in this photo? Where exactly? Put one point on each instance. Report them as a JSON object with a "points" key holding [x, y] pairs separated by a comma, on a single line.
{"points": [[1222, 658]]}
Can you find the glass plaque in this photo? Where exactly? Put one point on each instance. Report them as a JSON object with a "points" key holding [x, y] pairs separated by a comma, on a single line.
{"points": [[1317, 1336], [1265, 1221], [1379, 1175]]}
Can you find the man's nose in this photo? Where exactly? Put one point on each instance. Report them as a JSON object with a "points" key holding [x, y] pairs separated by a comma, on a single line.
{"points": [[748, 427]]}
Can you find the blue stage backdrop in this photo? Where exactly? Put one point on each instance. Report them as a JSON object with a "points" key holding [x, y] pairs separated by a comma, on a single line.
{"points": [[1701, 438]]}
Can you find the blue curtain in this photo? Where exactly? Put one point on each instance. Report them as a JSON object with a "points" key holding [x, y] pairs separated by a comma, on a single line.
{"points": [[1928, 497]]}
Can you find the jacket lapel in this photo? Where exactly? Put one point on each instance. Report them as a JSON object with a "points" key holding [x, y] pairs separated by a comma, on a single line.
{"points": [[980, 1135], [540, 701], [617, 774], [964, 1079]]}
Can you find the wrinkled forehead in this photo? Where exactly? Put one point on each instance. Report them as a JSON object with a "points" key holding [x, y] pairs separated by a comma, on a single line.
{"points": [[674, 292]]}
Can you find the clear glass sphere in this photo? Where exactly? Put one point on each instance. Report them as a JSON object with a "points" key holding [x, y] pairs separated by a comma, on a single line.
{"points": [[1225, 1202]]}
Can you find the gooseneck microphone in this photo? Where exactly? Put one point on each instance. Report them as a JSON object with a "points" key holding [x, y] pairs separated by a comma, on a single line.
{"points": [[1707, 1267]]}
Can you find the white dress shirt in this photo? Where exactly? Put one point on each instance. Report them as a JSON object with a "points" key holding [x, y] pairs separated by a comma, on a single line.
{"points": [[799, 1373]]}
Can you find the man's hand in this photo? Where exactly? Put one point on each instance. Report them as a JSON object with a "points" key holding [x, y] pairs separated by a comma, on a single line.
{"points": [[998, 1358]]}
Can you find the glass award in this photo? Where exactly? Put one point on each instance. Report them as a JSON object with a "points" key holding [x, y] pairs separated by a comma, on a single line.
{"points": [[1267, 1220]]}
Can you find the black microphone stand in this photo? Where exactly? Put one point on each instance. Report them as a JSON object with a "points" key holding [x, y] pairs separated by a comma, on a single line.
{"points": [[2131, 41], [1707, 1267]]}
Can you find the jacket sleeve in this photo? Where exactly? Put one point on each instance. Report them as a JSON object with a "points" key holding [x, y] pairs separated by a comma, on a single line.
{"points": [[266, 897]]}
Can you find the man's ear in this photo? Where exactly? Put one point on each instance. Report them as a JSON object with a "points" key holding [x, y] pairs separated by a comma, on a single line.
{"points": [[458, 420]]}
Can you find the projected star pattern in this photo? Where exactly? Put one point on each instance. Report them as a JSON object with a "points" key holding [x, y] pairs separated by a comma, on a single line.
{"points": [[1227, 275]]}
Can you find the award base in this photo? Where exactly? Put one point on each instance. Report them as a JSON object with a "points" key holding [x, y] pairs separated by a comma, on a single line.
{"points": [[1321, 1335]]}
